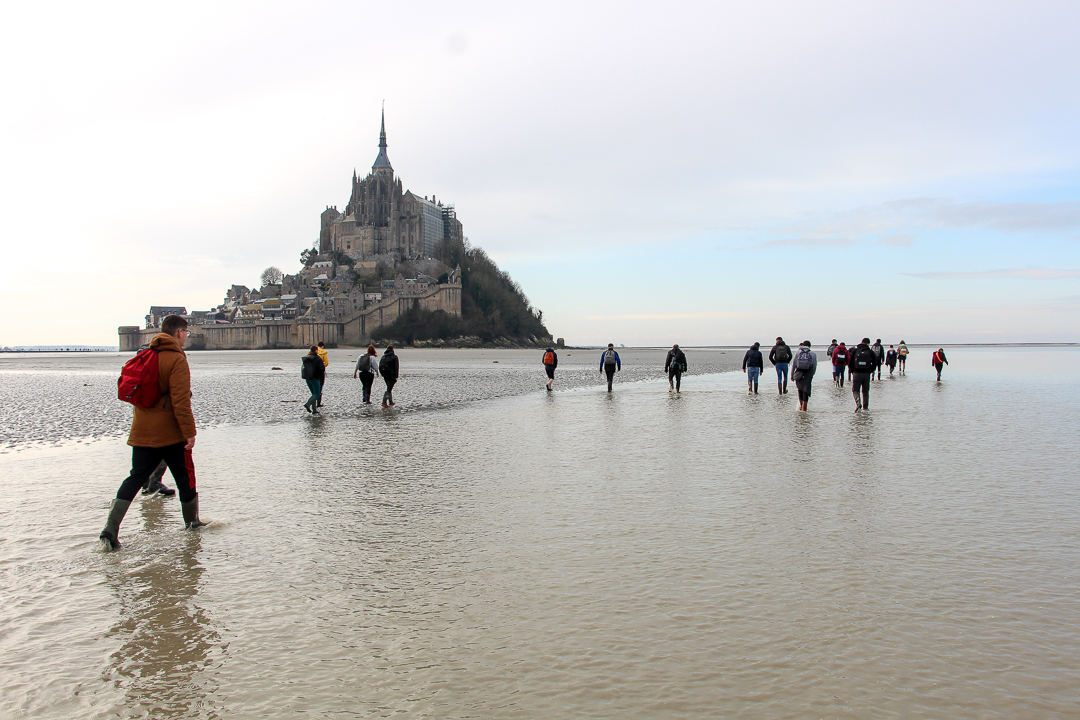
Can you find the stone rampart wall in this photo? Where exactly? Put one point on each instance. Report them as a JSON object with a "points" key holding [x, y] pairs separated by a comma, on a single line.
{"points": [[267, 334]]}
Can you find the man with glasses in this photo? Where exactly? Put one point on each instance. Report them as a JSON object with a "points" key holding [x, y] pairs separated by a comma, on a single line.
{"points": [[165, 431]]}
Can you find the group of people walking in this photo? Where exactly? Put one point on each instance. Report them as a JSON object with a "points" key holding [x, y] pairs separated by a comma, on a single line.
{"points": [[163, 427], [859, 363], [368, 367]]}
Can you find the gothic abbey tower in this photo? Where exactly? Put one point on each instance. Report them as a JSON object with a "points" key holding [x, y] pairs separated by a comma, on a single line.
{"points": [[381, 220]]}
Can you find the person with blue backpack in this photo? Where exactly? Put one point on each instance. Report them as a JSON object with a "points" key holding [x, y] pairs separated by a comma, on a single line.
{"points": [[609, 363]]}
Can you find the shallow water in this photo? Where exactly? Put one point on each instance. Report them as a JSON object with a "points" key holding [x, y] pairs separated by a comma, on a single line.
{"points": [[638, 554], [55, 398]]}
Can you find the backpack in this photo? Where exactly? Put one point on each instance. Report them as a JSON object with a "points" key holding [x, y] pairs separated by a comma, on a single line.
{"points": [[609, 357], [138, 383], [863, 359], [804, 360], [549, 358], [307, 371], [783, 354], [840, 357], [676, 365]]}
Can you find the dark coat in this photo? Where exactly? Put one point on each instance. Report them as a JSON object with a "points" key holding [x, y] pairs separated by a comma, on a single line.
{"points": [[388, 365], [312, 368], [675, 357], [753, 358], [780, 353]]}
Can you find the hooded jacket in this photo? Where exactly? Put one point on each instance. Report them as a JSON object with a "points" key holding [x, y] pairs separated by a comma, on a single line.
{"points": [[170, 421], [857, 352], [841, 361], [554, 356], [388, 365], [753, 358]]}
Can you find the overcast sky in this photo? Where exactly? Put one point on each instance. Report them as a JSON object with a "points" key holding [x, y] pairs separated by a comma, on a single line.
{"points": [[701, 173]]}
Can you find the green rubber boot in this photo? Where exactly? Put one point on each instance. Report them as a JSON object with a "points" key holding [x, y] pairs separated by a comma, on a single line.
{"points": [[111, 533], [190, 509]]}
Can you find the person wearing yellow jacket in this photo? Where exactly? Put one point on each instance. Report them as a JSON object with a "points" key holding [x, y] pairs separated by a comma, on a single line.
{"points": [[326, 364]]}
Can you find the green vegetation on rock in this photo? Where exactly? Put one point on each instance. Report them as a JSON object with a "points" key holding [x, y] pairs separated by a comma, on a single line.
{"points": [[493, 307]]}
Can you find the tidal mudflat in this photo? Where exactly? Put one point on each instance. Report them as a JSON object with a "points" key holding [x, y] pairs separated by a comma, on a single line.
{"points": [[509, 553]]}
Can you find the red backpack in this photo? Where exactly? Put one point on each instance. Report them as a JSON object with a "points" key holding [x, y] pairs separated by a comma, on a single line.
{"points": [[549, 358], [138, 383]]}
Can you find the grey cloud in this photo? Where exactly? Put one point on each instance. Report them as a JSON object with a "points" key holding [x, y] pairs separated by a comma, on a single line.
{"points": [[1013, 273], [808, 243], [897, 240], [1003, 217]]}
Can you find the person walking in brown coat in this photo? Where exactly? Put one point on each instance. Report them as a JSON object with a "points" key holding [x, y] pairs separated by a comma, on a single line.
{"points": [[165, 431]]}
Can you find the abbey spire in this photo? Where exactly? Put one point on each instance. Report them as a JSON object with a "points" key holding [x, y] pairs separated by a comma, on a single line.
{"points": [[382, 161]]}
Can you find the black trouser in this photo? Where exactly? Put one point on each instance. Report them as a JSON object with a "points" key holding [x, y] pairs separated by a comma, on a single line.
{"points": [[366, 379], [145, 459], [861, 381], [938, 367], [610, 370], [675, 375], [388, 396], [155, 477]]}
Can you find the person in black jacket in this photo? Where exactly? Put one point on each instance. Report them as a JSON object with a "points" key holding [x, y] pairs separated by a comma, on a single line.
{"points": [[752, 365], [313, 371], [675, 366], [388, 368], [780, 356], [879, 353], [862, 364]]}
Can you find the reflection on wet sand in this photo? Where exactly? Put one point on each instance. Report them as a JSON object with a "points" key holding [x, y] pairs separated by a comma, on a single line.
{"points": [[167, 638]]}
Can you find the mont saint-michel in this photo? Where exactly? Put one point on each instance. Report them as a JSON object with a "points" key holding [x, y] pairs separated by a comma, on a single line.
{"points": [[392, 265]]}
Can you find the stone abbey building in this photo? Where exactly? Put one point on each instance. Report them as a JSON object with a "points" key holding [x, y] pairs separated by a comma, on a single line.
{"points": [[382, 228], [382, 220]]}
